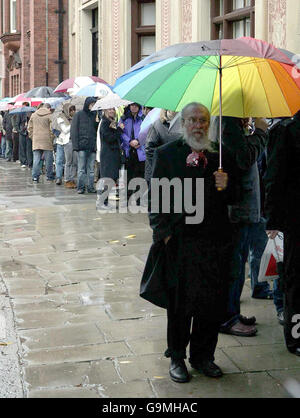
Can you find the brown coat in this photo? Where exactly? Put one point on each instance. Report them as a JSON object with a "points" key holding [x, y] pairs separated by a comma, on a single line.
{"points": [[39, 130]]}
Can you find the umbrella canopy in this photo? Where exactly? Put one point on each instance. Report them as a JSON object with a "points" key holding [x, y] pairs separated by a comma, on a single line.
{"points": [[24, 109], [41, 92], [7, 100], [5, 106], [110, 101], [56, 101], [77, 83], [152, 117], [252, 77], [94, 90]]}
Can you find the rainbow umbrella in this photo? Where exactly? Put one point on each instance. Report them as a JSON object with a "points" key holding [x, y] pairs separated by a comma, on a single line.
{"points": [[243, 77]]}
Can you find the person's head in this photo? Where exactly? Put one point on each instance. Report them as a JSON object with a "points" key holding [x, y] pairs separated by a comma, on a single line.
{"points": [[26, 104], [47, 106], [134, 108], [195, 124], [72, 110], [110, 113], [167, 115], [68, 110], [147, 110], [89, 104], [40, 105]]}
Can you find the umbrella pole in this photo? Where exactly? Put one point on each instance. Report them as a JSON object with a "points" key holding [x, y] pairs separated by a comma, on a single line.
{"points": [[220, 113], [220, 121]]}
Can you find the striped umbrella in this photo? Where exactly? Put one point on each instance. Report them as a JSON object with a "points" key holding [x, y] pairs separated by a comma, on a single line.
{"points": [[76, 83]]}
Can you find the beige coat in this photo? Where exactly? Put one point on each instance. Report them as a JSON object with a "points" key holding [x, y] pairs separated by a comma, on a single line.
{"points": [[39, 130]]}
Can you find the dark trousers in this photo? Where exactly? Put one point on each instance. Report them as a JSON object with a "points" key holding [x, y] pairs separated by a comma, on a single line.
{"points": [[203, 336], [22, 149], [291, 284], [15, 137], [135, 169], [29, 152]]}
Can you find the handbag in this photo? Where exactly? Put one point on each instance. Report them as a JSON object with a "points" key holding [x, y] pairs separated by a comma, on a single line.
{"points": [[271, 260]]}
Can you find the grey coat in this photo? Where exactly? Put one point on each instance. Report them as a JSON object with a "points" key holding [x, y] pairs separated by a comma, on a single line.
{"points": [[159, 134], [245, 149]]}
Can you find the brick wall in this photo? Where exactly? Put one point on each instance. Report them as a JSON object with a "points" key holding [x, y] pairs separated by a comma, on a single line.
{"points": [[32, 26]]}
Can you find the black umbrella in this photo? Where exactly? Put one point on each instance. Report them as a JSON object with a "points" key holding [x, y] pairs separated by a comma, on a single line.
{"points": [[43, 92]]}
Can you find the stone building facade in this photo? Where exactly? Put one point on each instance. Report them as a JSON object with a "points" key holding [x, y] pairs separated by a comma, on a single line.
{"points": [[35, 43], [108, 36]]}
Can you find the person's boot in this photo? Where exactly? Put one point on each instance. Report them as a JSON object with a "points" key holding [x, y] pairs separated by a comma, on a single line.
{"points": [[178, 371]]}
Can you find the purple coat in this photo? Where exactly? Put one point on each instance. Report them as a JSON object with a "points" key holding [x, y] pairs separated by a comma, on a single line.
{"points": [[132, 125]]}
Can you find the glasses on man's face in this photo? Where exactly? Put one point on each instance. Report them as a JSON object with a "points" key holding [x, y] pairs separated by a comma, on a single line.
{"points": [[193, 121]]}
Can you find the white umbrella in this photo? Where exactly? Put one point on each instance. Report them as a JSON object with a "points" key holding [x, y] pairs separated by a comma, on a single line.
{"points": [[110, 101]]}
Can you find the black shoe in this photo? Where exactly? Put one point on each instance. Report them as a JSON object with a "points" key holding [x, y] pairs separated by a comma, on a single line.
{"points": [[247, 320], [93, 191], [178, 371], [80, 191], [208, 367], [295, 351], [58, 182], [35, 180]]}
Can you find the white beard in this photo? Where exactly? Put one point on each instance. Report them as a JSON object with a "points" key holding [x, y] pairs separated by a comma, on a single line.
{"points": [[195, 144]]}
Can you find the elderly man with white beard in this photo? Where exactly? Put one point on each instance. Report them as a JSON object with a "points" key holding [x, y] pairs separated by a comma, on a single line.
{"points": [[189, 269]]}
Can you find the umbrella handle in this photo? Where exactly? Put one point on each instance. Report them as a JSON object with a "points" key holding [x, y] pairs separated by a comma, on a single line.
{"points": [[220, 170]]}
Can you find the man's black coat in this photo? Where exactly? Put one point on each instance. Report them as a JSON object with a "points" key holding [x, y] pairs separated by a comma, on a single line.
{"points": [[161, 270], [282, 179]]}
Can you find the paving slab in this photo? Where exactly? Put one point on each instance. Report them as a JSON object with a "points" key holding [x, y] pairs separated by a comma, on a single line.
{"points": [[76, 393], [64, 336], [262, 357], [77, 354], [249, 385], [71, 375]]}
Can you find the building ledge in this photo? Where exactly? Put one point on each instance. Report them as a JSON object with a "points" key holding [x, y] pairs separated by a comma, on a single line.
{"points": [[12, 41]]}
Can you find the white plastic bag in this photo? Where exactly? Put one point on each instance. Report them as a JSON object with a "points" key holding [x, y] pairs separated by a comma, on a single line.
{"points": [[272, 255]]}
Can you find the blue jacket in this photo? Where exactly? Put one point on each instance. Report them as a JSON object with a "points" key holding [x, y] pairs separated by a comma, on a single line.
{"points": [[131, 131]]}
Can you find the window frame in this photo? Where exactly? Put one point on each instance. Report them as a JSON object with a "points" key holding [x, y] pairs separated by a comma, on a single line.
{"points": [[13, 16], [229, 17], [137, 30]]}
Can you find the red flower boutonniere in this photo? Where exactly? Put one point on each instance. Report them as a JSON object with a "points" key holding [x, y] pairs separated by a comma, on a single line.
{"points": [[194, 159]]}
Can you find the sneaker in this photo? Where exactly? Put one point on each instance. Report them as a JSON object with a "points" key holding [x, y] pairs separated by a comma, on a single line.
{"points": [[105, 207], [280, 317], [80, 191], [35, 180], [58, 182], [92, 191], [23, 166]]}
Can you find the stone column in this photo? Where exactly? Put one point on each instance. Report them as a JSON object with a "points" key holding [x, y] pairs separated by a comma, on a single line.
{"points": [[261, 20], [293, 26]]}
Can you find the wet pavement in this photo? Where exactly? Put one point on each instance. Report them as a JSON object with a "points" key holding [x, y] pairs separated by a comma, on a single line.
{"points": [[72, 323]]}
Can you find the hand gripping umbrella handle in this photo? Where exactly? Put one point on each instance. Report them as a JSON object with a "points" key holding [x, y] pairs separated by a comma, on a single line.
{"points": [[220, 170]]}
